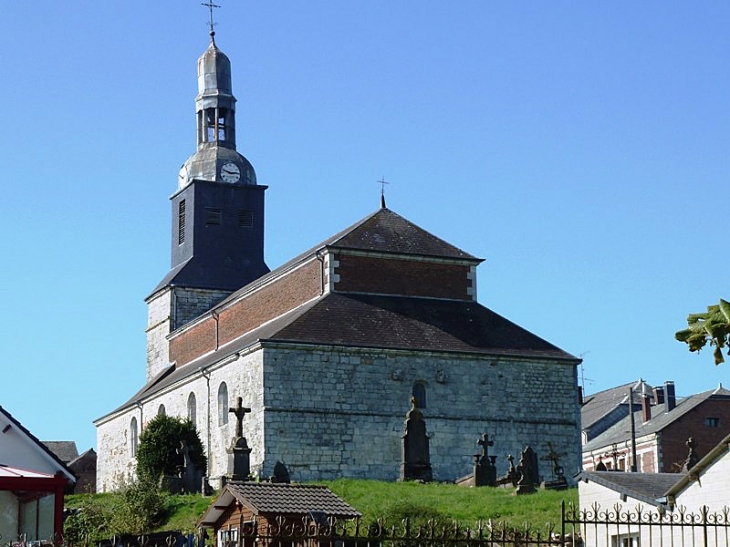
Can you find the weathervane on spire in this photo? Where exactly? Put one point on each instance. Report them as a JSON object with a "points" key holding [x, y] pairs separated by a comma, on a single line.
{"points": [[210, 5], [382, 183]]}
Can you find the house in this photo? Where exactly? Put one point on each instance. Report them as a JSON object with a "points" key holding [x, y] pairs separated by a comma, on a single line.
{"points": [[264, 509], [679, 506], [32, 483], [662, 422], [328, 349], [83, 466]]}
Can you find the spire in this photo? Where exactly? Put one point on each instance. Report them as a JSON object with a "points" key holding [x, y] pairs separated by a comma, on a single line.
{"points": [[216, 158]]}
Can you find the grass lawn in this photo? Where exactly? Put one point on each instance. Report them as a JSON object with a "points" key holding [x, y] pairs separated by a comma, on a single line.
{"points": [[393, 501], [468, 506]]}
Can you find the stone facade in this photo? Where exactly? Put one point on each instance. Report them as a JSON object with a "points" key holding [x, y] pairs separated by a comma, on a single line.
{"points": [[329, 412], [332, 412]]}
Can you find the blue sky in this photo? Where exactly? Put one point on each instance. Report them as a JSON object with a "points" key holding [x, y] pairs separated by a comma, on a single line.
{"points": [[580, 148]]}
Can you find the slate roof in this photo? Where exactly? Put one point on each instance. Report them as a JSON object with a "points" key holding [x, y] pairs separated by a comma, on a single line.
{"points": [[377, 321], [598, 405], [645, 487], [387, 232], [660, 419], [65, 450], [398, 322], [265, 498]]}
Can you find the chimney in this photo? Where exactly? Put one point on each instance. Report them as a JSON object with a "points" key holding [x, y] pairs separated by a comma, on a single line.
{"points": [[580, 395], [658, 395], [670, 401], [646, 407]]}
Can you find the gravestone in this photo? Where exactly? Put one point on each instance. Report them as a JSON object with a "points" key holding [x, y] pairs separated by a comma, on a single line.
{"points": [[281, 473], [512, 477], [528, 470], [239, 454], [485, 471], [416, 460]]}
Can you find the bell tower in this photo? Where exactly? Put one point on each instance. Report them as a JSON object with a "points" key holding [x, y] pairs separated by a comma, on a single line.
{"points": [[217, 243]]}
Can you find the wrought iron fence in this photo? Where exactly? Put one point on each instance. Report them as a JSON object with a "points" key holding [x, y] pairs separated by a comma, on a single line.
{"points": [[592, 527], [641, 527], [316, 532]]}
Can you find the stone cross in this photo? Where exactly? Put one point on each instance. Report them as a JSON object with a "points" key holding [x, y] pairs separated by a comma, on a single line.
{"points": [[240, 411], [485, 443]]}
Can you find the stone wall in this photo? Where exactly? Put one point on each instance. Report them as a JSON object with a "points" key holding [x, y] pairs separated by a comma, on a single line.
{"points": [[116, 464], [159, 309], [242, 376], [339, 412]]}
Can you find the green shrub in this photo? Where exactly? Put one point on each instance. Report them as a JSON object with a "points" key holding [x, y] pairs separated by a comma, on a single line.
{"points": [[142, 508], [159, 443]]}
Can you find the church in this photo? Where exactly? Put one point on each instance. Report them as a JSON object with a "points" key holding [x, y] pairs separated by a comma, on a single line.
{"points": [[328, 349]]}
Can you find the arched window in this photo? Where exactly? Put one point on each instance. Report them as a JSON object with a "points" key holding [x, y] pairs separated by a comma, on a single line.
{"points": [[222, 404], [161, 410], [133, 437], [419, 394], [192, 414]]}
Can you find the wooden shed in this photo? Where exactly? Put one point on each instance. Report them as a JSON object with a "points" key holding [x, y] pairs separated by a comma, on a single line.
{"points": [[254, 514]]}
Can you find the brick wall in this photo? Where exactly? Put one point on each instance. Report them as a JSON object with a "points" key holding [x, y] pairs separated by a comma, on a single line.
{"points": [[692, 424], [403, 277], [244, 315], [288, 292]]}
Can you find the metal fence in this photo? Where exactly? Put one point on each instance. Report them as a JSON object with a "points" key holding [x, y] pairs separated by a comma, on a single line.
{"points": [[592, 527], [640, 527]]}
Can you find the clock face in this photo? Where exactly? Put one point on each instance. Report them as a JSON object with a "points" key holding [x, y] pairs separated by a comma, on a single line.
{"points": [[230, 172]]}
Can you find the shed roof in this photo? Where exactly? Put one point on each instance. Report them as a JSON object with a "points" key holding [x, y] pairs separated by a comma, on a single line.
{"points": [[265, 498]]}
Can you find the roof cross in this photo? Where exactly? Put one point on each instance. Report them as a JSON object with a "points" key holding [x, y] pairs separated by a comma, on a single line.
{"points": [[382, 183], [210, 5]]}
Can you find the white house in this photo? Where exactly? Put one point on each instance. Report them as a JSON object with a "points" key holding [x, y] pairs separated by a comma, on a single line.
{"points": [[32, 483], [630, 509]]}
